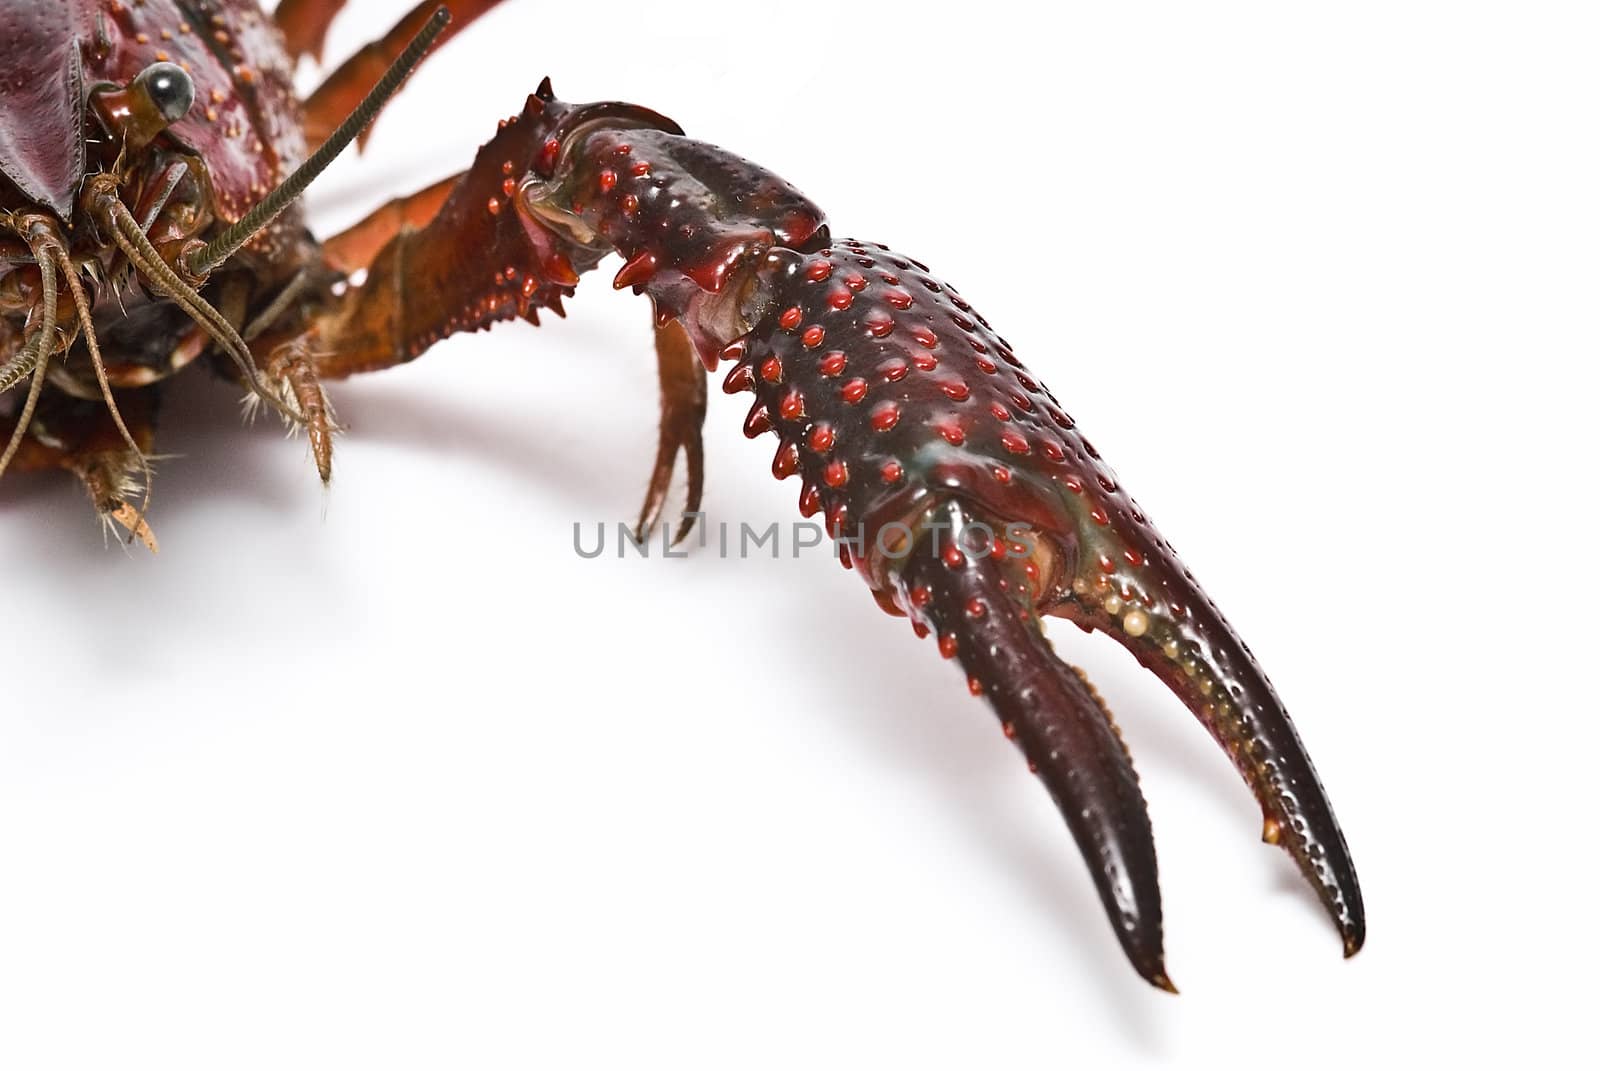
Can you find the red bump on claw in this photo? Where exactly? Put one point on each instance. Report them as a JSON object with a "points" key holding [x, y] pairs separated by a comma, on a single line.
{"points": [[1014, 442]]}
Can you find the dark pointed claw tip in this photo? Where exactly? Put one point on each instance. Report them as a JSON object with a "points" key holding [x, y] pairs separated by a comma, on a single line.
{"points": [[1160, 980], [1355, 938]]}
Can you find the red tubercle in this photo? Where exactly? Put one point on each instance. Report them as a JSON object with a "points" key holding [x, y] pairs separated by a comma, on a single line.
{"points": [[833, 362], [638, 270], [891, 472], [885, 416], [898, 299], [878, 324], [921, 596], [894, 369], [952, 433], [947, 644], [1001, 474], [640, 169], [853, 391], [837, 474], [975, 686], [925, 336], [630, 205], [841, 299], [976, 608], [999, 411], [925, 362], [739, 379], [952, 557], [810, 500], [1052, 450], [758, 421], [955, 390], [548, 152], [1014, 442], [791, 318], [786, 462], [986, 366], [793, 406], [608, 180], [856, 281], [1133, 557], [1073, 484], [772, 370], [1098, 514], [819, 271], [813, 337], [822, 438], [560, 270]]}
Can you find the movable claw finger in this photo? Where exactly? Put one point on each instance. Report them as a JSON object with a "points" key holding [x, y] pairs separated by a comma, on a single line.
{"points": [[981, 609]]}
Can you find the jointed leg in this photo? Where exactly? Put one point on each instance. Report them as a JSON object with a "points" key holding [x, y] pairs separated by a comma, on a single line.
{"points": [[305, 24], [336, 97], [683, 413], [82, 438]]}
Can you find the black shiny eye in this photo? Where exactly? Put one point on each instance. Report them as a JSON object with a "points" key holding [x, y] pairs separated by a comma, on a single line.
{"points": [[169, 87]]}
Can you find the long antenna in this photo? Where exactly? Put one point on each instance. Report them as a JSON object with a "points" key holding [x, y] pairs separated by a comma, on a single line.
{"points": [[224, 245]]}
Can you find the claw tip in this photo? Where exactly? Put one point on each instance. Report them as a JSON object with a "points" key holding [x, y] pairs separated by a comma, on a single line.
{"points": [[1160, 980]]}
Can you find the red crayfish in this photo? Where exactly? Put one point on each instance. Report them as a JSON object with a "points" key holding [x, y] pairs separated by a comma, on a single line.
{"points": [[151, 154]]}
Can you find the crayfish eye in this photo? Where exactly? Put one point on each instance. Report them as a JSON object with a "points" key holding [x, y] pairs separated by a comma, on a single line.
{"points": [[169, 88]]}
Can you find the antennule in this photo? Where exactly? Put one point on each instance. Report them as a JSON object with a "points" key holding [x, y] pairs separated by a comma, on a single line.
{"points": [[203, 260]]}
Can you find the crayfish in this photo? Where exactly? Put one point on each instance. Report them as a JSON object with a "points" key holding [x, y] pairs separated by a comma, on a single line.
{"points": [[153, 154]]}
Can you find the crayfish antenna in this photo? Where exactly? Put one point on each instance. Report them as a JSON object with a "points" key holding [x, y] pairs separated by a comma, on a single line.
{"points": [[981, 609]]}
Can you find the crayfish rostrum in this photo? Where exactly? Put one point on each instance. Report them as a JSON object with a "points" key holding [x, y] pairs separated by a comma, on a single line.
{"points": [[152, 152]]}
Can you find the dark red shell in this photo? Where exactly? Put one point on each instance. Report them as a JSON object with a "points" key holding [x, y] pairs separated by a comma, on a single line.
{"points": [[893, 392], [245, 123]]}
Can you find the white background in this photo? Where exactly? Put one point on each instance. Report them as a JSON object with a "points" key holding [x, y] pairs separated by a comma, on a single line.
{"points": [[395, 780]]}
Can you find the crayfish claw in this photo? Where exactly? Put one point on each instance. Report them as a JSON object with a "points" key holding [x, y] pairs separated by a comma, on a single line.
{"points": [[980, 607]]}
